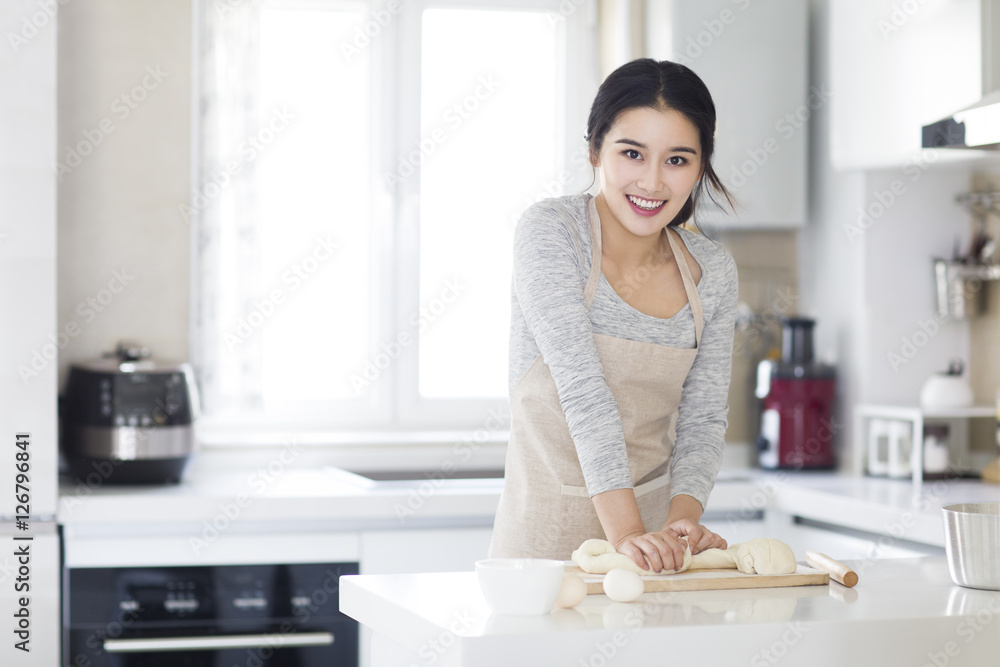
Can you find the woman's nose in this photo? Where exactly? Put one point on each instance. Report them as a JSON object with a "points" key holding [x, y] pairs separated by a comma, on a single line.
{"points": [[650, 180]]}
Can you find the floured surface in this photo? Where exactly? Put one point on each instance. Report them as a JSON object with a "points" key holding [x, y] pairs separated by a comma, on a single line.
{"points": [[696, 580]]}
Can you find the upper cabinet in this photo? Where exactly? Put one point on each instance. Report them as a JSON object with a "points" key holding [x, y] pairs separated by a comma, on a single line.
{"points": [[753, 56], [895, 67]]}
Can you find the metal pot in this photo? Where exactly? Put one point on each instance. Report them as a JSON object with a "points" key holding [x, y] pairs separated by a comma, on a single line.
{"points": [[959, 288], [972, 542]]}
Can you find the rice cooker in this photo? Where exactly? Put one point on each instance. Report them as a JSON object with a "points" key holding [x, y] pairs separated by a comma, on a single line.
{"points": [[128, 419]]}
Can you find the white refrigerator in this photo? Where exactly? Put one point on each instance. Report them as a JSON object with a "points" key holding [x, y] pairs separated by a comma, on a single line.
{"points": [[29, 343]]}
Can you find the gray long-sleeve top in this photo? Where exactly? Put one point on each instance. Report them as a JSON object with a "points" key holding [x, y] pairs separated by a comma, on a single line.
{"points": [[552, 260]]}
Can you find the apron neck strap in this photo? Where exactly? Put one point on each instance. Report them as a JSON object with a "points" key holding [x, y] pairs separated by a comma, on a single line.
{"points": [[595, 259], [690, 289]]}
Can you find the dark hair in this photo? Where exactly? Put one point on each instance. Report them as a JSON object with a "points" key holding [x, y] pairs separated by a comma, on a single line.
{"points": [[660, 85]]}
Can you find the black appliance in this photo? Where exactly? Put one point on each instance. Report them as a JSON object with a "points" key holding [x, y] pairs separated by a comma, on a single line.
{"points": [[128, 419], [208, 616]]}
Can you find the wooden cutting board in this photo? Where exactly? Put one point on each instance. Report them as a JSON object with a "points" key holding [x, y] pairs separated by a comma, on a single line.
{"points": [[710, 580]]}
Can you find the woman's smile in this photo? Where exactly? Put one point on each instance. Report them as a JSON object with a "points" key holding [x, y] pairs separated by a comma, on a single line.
{"points": [[648, 207]]}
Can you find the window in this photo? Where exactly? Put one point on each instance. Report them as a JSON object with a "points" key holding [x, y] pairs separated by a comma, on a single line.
{"points": [[362, 167]]}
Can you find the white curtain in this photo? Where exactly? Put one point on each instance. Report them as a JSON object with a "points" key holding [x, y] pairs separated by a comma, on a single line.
{"points": [[622, 33], [227, 262]]}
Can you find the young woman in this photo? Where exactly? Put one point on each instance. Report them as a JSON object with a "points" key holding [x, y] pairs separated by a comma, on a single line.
{"points": [[621, 337]]}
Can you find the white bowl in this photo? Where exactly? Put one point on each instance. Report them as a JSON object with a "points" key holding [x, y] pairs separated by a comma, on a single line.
{"points": [[520, 586]]}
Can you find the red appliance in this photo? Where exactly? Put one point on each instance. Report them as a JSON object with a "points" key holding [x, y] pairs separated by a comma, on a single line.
{"points": [[796, 426]]}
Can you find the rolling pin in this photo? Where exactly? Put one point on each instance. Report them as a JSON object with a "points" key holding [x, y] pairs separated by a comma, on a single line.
{"points": [[837, 570]]}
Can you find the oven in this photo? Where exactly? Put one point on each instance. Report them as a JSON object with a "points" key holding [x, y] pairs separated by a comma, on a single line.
{"points": [[246, 615]]}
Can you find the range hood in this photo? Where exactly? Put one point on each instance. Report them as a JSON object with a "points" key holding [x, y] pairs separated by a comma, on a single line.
{"points": [[978, 125]]}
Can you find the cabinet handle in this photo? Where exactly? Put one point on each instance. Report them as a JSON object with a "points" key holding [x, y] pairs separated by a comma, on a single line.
{"points": [[217, 642]]}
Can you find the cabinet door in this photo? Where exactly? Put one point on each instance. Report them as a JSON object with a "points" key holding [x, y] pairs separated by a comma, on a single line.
{"points": [[753, 57], [895, 67]]}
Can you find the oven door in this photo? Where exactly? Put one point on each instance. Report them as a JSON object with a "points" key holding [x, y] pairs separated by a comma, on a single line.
{"points": [[279, 615]]}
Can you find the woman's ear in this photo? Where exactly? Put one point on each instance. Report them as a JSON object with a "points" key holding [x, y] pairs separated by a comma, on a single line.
{"points": [[595, 161]]}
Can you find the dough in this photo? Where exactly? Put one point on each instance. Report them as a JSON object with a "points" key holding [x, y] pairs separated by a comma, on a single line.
{"points": [[622, 585], [761, 555], [764, 555], [600, 557]]}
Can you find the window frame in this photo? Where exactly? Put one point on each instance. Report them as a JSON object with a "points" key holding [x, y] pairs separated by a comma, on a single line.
{"points": [[394, 405]]}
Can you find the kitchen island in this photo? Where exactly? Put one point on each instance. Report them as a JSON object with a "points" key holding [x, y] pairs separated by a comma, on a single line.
{"points": [[903, 612]]}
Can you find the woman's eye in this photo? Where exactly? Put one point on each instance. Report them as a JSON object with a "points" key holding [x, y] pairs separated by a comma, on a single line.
{"points": [[677, 160], [631, 154]]}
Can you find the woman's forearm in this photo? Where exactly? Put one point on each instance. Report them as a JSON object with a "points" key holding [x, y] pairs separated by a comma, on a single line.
{"points": [[619, 514]]}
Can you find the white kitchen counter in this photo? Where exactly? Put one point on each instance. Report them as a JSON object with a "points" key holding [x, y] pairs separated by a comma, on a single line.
{"points": [[338, 500], [334, 497], [877, 505], [903, 612]]}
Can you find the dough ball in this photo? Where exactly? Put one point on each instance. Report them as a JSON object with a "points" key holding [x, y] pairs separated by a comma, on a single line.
{"points": [[764, 555], [572, 591], [622, 585]]}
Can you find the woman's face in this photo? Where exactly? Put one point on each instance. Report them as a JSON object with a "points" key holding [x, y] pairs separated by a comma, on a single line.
{"points": [[650, 161]]}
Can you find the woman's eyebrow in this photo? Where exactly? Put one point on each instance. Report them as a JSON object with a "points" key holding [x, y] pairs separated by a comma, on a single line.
{"points": [[638, 144]]}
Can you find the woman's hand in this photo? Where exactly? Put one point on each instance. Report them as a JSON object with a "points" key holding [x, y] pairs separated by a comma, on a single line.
{"points": [[699, 537], [658, 551]]}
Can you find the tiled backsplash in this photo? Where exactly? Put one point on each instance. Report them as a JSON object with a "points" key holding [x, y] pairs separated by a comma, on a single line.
{"points": [[768, 265]]}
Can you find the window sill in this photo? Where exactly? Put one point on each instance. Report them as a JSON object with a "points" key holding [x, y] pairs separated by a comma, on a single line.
{"points": [[362, 450]]}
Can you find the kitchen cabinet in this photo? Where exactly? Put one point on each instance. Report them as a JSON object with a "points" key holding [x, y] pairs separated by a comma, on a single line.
{"points": [[894, 67], [753, 56]]}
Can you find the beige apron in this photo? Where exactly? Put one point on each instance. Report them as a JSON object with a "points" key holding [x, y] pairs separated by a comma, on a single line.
{"points": [[545, 510]]}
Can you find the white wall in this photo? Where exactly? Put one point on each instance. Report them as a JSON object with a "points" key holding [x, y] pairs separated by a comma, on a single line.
{"points": [[27, 320], [905, 343], [831, 280], [869, 280], [28, 248], [118, 207]]}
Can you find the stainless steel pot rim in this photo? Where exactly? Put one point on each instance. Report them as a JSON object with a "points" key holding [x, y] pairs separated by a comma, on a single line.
{"points": [[984, 508]]}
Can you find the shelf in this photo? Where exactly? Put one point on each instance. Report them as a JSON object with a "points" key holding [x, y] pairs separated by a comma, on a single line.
{"points": [[917, 415], [908, 411]]}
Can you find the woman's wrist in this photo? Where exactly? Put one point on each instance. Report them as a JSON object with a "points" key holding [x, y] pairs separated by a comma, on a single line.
{"points": [[624, 538], [682, 507]]}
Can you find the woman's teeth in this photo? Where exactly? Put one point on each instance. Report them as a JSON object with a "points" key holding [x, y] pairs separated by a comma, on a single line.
{"points": [[645, 203]]}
